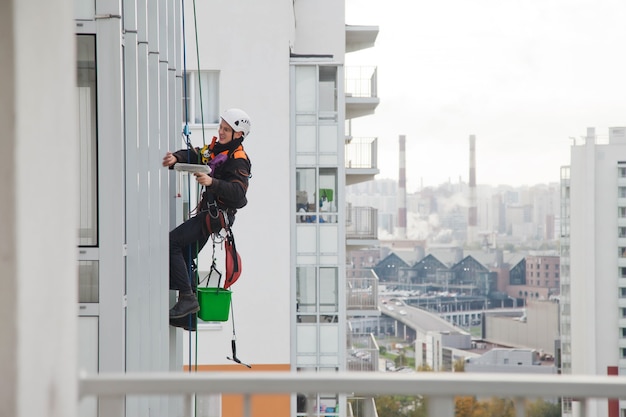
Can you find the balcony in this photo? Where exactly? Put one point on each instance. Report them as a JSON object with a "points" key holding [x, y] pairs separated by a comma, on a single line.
{"points": [[361, 160], [362, 293], [360, 37], [361, 226], [361, 88], [441, 388], [362, 353]]}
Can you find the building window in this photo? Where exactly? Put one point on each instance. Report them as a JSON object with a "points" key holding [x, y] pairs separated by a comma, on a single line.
{"points": [[197, 110], [621, 212], [88, 140], [329, 291], [566, 404], [621, 191], [622, 172], [88, 282], [306, 184], [309, 290], [306, 290], [328, 89], [622, 232], [317, 132], [316, 203], [327, 197]]}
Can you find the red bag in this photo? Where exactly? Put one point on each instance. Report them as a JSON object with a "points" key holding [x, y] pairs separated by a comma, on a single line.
{"points": [[233, 261]]}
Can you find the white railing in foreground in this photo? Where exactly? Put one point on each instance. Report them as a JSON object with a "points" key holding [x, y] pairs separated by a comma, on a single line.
{"points": [[440, 388]]}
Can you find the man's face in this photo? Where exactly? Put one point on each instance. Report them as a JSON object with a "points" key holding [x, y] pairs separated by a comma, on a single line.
{"points": [[225, 133]]}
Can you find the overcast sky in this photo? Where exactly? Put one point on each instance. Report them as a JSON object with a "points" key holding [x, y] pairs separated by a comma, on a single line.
{"points": [[523, 76]]}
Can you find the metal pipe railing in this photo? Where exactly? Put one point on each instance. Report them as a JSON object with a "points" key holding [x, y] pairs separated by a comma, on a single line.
{"points": [[441, 388]]}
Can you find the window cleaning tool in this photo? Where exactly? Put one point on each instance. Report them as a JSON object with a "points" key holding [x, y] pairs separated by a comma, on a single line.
{"points": [[233, 343]]}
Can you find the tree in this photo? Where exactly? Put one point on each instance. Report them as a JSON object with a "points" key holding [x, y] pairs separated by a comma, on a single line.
{"points": [[400, 406], [541, 408], [424, 368], [400, 359], [464, 406], [500, 407], [387, 406]]}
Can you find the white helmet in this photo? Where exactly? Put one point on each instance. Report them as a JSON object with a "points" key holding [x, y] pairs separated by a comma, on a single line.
{"points": [[238, 120]]}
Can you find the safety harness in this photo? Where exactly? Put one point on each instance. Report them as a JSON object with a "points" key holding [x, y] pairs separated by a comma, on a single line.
{"points": [[206, 153], [222, 216]]}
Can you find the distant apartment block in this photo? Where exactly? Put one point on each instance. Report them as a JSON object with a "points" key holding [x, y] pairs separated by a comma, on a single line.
{"points": [[542, 278], [593, 263]]}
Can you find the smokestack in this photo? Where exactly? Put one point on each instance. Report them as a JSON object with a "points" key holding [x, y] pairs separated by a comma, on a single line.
{"points": [[472, 221], [401, 230]]}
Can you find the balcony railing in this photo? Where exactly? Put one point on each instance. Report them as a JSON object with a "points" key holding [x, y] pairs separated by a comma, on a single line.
{"points": [[362, 292], [361, 81], [363, 353], [440, 388], [362, 153], [361, 87], [361, 223]]}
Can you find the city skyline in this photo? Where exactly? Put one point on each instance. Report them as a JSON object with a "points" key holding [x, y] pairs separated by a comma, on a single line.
{"points": [[524, 78]]}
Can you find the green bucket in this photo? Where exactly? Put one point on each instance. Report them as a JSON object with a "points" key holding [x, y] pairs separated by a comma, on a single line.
{"points": [[214, 303]]}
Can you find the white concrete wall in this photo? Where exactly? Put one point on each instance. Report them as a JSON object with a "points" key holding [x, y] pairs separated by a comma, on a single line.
{"points": [[594, 308], [38, 209], [594, 269], [248, 42], [320, 28]]}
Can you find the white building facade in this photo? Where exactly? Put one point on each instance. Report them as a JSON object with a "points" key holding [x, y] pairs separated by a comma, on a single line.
{"points": [[593, 265], [284, 64]]}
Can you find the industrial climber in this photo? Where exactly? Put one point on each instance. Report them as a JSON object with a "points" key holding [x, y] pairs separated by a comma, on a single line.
{"points": [[224, 191]]}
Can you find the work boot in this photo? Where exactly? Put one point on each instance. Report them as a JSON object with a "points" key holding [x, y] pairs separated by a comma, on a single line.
{"points": [[185, 322], [187, 304]]}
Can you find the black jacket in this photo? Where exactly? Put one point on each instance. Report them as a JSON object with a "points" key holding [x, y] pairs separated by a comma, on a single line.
{"points": [[230, 178]]}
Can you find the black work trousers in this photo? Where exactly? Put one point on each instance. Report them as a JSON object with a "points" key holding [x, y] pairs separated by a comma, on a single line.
{"points": [[186, 241]]}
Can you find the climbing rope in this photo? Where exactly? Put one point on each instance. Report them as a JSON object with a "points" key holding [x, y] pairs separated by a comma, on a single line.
{"points": [[192, 274]]}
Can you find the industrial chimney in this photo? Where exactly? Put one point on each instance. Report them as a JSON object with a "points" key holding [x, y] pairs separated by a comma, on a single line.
{"points": [[472, 221], [401, 229]]}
